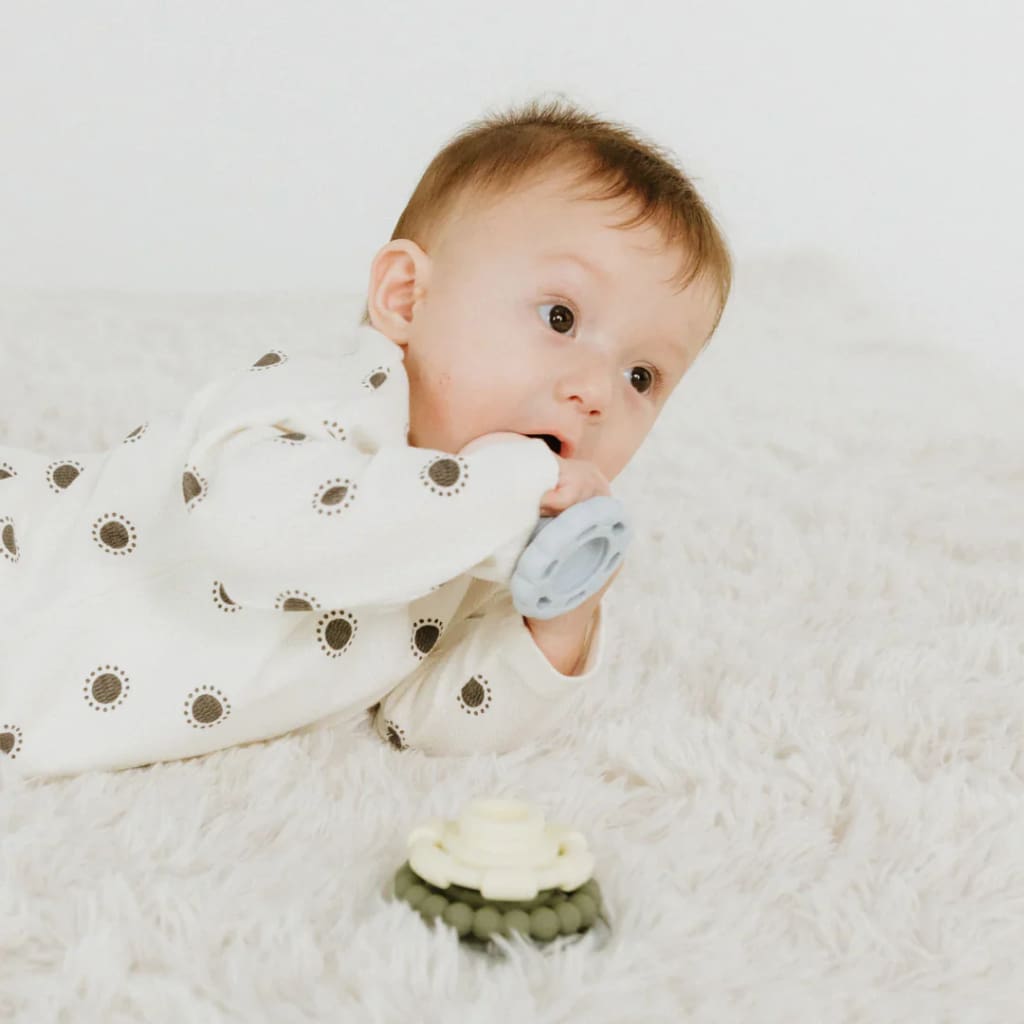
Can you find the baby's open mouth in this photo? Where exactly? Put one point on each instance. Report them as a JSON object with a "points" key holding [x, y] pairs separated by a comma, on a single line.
{"points": [[551, 441]]}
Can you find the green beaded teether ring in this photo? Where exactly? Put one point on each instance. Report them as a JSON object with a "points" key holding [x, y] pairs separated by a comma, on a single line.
{"points": [[499, 869], [552, 913]]}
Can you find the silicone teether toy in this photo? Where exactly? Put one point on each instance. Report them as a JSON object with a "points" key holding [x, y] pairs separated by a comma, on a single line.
{"points": [[569, 557], [500, 869]]}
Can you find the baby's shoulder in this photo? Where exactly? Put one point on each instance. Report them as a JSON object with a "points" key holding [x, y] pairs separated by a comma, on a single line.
{"points": [[355, 362], [282, 376]]}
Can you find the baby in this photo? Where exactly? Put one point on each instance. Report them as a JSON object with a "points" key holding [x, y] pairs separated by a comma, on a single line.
{"points": [[318, 536]]}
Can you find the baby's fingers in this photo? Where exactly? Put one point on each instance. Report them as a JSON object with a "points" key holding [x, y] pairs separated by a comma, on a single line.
{"points": [[556, 501]]}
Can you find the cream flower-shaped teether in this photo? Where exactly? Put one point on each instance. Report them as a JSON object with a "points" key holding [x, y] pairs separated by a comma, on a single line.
{"points": [[501, 848]]}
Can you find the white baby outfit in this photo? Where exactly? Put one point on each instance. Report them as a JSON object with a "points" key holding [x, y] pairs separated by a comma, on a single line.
{"points": [[276, 555]]}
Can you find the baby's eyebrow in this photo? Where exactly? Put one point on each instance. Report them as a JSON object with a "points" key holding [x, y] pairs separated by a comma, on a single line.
{"points": [[581, 261], [679, 353]]}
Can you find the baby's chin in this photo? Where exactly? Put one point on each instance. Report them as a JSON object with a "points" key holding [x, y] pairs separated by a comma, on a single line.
{"points": [[436, 441], [440, 441], [437, 438]]}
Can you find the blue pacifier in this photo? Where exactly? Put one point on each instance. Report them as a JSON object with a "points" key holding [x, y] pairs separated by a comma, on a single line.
{"points": [[569, 557]]}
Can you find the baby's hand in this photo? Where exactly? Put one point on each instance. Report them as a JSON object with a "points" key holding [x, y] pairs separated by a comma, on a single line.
{"points": [[578, 480]]}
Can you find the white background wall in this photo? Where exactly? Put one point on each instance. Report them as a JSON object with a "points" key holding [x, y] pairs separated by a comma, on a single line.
{"points": [[208, 145]]}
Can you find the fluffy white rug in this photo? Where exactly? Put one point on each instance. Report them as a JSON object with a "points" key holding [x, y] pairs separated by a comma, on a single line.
{"points": [[801, 778]]}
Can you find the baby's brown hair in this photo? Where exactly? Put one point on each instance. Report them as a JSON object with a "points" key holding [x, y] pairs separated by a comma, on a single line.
{"points": [[490, 157]]}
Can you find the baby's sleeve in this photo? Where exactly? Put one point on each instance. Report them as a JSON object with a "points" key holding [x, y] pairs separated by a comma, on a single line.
{"points": [[299, 483], [485, 688]]}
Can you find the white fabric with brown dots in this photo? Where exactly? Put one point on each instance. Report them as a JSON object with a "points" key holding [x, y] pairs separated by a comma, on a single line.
{"points": [[276, 555]]}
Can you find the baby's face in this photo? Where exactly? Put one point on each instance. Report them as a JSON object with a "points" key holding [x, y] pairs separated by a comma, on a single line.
{"points": [[504, 332]]}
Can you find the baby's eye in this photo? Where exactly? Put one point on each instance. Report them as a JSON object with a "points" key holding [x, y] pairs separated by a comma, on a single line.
{"points": [[647, 378], [561, 317]]}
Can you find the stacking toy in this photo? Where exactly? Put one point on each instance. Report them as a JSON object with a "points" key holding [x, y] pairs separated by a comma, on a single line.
{"points": [[569, 557], [498, 869]]}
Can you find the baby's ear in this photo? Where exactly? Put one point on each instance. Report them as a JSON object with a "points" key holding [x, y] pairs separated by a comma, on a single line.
{"points": [[398, 277]]}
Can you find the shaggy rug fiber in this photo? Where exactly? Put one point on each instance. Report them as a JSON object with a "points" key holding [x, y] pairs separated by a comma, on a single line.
{"points": [[801, 776]]}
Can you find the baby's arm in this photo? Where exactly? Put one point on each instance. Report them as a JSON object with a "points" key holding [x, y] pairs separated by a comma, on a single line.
{"points": [[327, 499], [486, 687]]}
